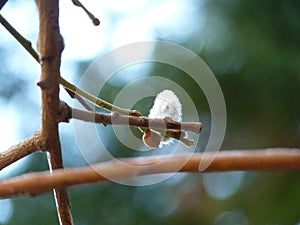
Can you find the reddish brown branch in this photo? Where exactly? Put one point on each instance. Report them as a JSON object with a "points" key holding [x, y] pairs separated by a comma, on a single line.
{"points": [[37, 183], [24, 148], [50, 47]]}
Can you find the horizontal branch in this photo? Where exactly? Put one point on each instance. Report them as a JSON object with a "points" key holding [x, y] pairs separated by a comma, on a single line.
{"points": [[144, 122], [33, 143], [267, 159], [16, 152]]}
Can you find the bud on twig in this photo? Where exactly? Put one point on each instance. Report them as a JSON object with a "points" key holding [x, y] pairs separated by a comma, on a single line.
{"points": [[166, 105]]}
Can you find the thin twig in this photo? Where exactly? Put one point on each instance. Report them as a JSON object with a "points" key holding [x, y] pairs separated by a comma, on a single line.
{"points": [[33, 143], [77, 92], [95, 20], [23, 41], [267, 159], [96, 101], [28, 46], [66, 84], [144, 122], [16, 152], [79, 99], [166, 127]]}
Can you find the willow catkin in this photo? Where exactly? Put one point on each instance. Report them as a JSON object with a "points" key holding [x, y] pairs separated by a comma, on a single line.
{"points": [[166, 105]]}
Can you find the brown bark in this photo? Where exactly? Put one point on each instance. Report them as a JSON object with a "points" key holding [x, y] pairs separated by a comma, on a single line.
{"points": [[50, 45], [267, 159], [16, 152], [119, 119]]}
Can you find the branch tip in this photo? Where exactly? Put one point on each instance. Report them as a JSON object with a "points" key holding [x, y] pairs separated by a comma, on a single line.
{"points": [[95, 20]]}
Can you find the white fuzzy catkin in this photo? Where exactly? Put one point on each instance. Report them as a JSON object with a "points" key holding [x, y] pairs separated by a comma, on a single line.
{"points": [[166, 105]]}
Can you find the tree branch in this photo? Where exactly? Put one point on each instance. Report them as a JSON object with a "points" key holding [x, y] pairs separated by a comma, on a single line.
{"points": [[23, 41], [95, 20], [79, 99], [96, 101], [267, 159], [16, 152], [2, 3], [144, 122], [66, 84], [50, 47], [65, 112]]}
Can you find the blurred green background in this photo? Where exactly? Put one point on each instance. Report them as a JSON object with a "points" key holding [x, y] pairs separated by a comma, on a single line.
{"points": [[253, 48]]}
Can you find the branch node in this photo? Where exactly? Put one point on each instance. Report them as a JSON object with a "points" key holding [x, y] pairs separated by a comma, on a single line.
{"points": [[64, 113], [42, 144], [45, 84]]}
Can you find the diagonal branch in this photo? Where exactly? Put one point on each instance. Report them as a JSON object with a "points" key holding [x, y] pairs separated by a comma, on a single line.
{"points": [[16, 152], [23, 41], [95, 20], [2, 3], [66, 84], [79, 99], [96, 101], [266, 159]]}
